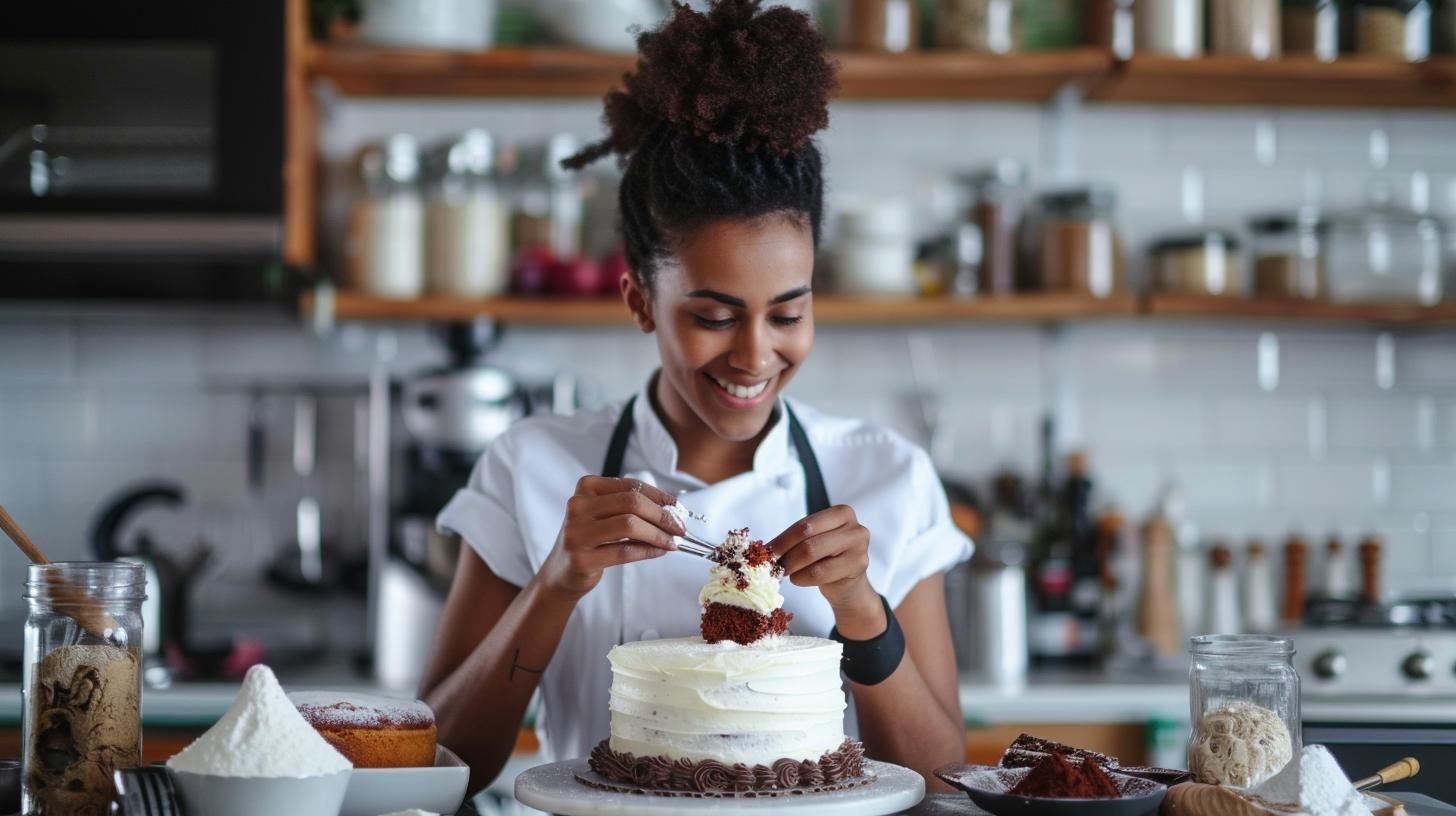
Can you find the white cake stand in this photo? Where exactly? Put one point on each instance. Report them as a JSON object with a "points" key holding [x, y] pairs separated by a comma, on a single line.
{"points": [[555, 789]]}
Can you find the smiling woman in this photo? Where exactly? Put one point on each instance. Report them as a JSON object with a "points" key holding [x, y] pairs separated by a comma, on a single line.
{"points": [[721, 201]]}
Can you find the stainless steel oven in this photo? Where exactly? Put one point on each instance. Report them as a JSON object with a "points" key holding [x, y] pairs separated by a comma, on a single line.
{"points": [[1379, 689], [138, 139]]}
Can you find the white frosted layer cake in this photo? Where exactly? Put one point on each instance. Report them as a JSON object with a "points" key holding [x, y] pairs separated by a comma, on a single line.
{"points": [[684, 698]]}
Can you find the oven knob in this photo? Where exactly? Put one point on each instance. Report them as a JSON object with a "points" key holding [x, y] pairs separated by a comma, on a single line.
{"points": [[1330, 665], [1419, 666]]}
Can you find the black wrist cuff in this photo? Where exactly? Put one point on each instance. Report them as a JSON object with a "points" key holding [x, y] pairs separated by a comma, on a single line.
{"points": [[870, 662]]}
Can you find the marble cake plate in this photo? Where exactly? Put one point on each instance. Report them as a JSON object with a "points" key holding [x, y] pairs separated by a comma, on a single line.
{"points": [[554, 788]]}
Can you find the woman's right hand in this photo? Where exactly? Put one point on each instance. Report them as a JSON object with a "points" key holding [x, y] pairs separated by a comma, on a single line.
{"points": [[608, 522]]}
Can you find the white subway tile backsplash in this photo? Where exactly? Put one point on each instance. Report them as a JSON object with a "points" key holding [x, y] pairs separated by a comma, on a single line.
{"points": [[1443, 555], [135, 352], [1219, 484], [1370, 424], [1424, 486], [1261, 423], [1346, 485], [35, 351], [1211, 359], [1156, 421]]}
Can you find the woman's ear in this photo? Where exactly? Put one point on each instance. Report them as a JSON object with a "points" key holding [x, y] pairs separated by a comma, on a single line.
{"points": [[638, 302]]}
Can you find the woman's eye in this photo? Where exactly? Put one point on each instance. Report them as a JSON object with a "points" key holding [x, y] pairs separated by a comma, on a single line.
{"points": [[786, 320], [708, 323]]}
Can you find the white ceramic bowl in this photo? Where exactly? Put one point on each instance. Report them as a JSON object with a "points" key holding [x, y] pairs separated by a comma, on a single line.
{"points": [[251, 796], [440, 789]]}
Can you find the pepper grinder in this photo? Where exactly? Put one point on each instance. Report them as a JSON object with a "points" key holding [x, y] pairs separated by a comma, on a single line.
{"points": [[1157, 610], [1223, 594], [1337, 571], [1259, 617], [1370, 577], [1296, 560]]}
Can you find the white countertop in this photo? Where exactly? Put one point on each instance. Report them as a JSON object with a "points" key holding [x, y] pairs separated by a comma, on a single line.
{"points": [[1057, 697]]}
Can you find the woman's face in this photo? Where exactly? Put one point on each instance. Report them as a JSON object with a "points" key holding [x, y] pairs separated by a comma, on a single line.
{"points": [[732, 313]]}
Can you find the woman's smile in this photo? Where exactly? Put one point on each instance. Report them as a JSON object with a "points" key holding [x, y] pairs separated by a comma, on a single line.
{"points": [[740, 395]]}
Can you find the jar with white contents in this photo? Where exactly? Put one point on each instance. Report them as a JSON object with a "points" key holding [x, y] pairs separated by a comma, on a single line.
{"points": [[1244, 701]]}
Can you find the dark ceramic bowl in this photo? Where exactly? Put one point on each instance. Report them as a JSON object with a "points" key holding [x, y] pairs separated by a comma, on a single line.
{"points": [[987, 786], [9, 786]]}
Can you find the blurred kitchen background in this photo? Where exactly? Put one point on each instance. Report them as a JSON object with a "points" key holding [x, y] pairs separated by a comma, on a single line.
{"points": [[1164, 286]]}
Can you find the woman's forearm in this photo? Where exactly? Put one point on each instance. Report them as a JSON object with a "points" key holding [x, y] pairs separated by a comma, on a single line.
{"points": [[901, 722], [900, 718], [479, 706]]}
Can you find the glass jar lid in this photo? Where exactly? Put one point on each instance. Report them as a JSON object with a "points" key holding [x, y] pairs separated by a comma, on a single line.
{"points": [[98, 580], [1205, 239], [1080, 202], [397, 161], [1241, 646]]}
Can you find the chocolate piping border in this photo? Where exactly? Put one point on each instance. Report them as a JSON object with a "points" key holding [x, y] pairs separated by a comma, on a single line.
{"points": [[622, 772]]}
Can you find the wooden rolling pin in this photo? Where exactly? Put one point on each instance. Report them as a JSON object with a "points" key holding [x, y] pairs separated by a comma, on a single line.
{"points": [[68, 598]]}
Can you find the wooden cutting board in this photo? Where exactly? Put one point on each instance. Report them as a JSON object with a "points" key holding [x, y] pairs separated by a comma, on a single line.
{"points": [[1195, 799]]}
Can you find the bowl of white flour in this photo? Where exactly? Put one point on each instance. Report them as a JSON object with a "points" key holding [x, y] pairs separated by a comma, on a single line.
{"points": [[261, 757]]}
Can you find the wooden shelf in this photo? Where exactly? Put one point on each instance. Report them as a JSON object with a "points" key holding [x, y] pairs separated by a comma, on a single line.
{"points": [[1213, 80], [901, 311], [565, 72], [1186, 306], [962, 75], [827, 309], [519, 310], [1019, 308], [1221, 80], [503, 72]]}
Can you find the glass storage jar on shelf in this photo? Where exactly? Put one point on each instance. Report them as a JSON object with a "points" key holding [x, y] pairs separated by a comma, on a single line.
{"points": [[1170, 27], [997, 199], [878, 25], [466, 226], [81, 698], [548, 200], [1385, 253], [1247, 28], [1075, 239], [1311, 28], [1289, 259], [386, 244], [1393, 29], [986, 26], [1199, 263], [1244, 704]]}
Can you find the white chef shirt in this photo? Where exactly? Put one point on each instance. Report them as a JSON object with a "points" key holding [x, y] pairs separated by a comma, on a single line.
{"points": [[511, 512]]}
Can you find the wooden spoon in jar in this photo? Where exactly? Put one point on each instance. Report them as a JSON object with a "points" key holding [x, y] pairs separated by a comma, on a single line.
{"points": [[82, 607]]}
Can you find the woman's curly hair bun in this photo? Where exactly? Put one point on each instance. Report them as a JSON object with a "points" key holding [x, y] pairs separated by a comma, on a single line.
{"points": [[738, 74]]}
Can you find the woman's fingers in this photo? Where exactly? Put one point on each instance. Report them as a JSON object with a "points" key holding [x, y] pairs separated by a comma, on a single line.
{"points": [[595, 534], [809, 528], [849, 564], [603, 485], [632, 503]]}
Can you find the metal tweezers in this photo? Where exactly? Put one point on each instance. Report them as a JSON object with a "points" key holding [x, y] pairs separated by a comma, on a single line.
{"points": [[692, 545]]}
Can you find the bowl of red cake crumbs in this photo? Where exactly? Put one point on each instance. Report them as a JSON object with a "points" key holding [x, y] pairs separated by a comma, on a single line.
{"points": [[1057, 785]]}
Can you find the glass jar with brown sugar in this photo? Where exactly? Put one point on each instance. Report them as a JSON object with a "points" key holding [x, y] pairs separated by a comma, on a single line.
{"points": [[1311, 28], [1289, 259], [1077, 243], [1393, 29]]}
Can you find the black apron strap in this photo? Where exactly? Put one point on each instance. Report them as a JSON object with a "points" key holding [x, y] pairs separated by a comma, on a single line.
{"points": [[816, 496], [617, 448]]}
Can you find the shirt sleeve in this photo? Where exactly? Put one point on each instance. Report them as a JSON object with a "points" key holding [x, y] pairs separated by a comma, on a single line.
{"points": [[937, 544], [483, 513]]}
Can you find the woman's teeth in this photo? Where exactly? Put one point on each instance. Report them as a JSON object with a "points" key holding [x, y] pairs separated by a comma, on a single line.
{"points": [[741, 391]]}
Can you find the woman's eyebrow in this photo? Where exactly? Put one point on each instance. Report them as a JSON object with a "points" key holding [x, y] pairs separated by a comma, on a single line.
{"points": [[730, 300], [790, 295]]}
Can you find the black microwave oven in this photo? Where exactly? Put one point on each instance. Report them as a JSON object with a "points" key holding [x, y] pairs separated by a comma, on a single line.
{"points": [[141, 148]]}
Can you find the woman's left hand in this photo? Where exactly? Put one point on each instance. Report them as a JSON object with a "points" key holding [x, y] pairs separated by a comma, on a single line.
{"points": [[831, 550]]}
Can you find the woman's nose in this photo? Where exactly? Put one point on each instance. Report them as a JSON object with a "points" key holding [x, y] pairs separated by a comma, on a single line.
{"points": [[751, 350]]}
